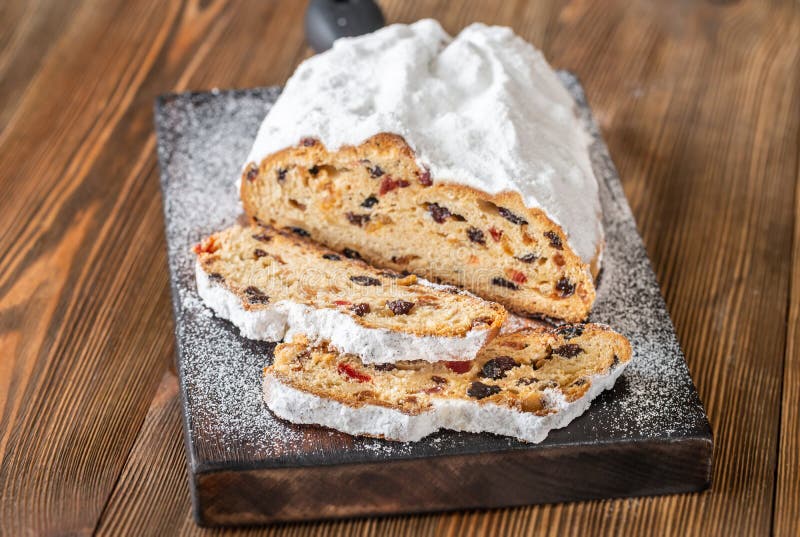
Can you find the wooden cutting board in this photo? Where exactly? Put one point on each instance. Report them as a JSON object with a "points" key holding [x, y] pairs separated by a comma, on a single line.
{"points": [[649, 435]]}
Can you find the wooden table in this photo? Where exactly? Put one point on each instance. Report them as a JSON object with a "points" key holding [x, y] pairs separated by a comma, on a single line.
{"points": [[699, 103]]}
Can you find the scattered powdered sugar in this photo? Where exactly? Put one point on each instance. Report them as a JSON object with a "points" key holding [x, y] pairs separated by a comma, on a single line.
{"points": [[203, 138]]}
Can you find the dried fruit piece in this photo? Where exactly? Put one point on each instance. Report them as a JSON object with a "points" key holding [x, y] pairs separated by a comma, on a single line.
{"points": [[314, 170], [496, 234], [565, 287], [438, 380], [300, 231], [357, 219], [256, 295], [351, 254], [496, 368], [385, 367], [258, 253], [400, 307], [511, 217], [527, 258], [479, 390], [331, 257], [369, 202], [352, 373], [388, 184], [252, 172], [458, 367], [307, 142], [569, 331], [516, 276], [438, 212], [361, 309], [208, 246], [216, 277], [262, 237], [365, 280], [476, 235], [281, 173], [555, 240], [568, 350], [375, 171], [425, 177], [526, 381], [342, 302], [502, 282]]}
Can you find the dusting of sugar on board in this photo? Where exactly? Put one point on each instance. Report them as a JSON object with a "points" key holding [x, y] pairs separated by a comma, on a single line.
{"points": [[203, 138]]}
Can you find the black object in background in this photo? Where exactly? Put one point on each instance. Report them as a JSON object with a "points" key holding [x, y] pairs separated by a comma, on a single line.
{"points": [[328, 20]]}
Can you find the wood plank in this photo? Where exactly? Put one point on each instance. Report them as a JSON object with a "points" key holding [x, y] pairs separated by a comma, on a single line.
{"points": [[698, 102], [787, 500], [84, 311]]}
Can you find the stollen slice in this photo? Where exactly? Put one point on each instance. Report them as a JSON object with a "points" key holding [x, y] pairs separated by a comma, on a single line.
{"points": [[274, 283], [522, 384]]}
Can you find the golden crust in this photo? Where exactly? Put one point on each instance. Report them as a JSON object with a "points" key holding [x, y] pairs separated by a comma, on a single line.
{"points": [[328, 192]]}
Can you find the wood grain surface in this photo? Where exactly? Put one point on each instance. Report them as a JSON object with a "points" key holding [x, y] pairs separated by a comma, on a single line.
{"points": [[699, 102]]}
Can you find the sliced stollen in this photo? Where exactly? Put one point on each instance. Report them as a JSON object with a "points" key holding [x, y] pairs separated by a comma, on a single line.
{"points": [[458, 159], [522, 384], [274, 283]]}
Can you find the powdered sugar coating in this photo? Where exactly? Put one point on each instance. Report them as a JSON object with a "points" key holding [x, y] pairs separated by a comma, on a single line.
{"points": [[282, 320], [483, 109], [299, 406]]}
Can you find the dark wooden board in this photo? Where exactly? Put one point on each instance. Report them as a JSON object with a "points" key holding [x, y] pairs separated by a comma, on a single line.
{"points": [[649, 435]]}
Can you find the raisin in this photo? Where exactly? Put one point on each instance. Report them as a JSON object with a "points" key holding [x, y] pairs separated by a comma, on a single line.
{"points": [[458, 367], [425, 178], [511, 217], [615, 361], [527, 381], [502, 282], [256, 295], [300, 231], [252, 172], [388, 184], [314, 170], [496, 367], [580, 382], [438, 212], [258, 253], [331, 257], [496, 234], [307, 142], [351, 254], [385, 367], [262, 237], [357, 219], [479, 390], [217, 277], [400, 307], [281, 172], [438, 380], [389, 274], [375, 171], [568, 350], [569, 331], [527, 258], [365, 280], [476, 235], [555, 240], [369, 202], [361, 309], [565, 287], [352, 373]]}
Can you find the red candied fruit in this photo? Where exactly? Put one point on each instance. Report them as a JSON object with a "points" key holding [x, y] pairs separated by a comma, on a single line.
{"points": [[208, 246], [388, 184], [496, 233], [425, 178], [517, 276], [459, 367], [350, 372], [342, 302]]}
